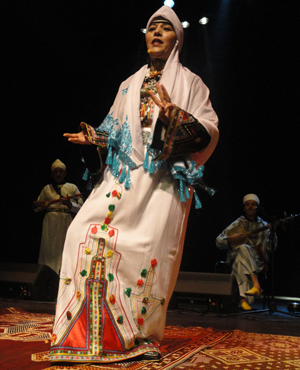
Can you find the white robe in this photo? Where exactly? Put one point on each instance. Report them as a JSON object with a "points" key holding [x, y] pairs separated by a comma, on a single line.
{"points": [[55, 225]]}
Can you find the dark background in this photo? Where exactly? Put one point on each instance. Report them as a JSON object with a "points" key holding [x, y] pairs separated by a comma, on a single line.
{"points": [[62, 63]]}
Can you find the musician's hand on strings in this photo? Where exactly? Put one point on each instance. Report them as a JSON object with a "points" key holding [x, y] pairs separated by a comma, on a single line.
{"points": [[79, 138], [39, 204], [237, 238], [66, 202]]}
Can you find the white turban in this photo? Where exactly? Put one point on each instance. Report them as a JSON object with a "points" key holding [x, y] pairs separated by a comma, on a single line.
{"points": [[57, 164], [251, 197]]}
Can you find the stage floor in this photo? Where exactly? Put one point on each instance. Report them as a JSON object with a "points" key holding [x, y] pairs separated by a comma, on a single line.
{"points": [[193, 313]]}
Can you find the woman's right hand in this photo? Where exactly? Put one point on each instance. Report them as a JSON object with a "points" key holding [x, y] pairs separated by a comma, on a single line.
{"points": [[79, 138]]}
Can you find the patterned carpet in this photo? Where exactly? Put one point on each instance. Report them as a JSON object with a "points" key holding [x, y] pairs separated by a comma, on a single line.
{"points": [[25, 342]]}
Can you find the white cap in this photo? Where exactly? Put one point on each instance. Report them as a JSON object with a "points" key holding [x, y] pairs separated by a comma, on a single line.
{"points": [[57, 164], [251, 197]]}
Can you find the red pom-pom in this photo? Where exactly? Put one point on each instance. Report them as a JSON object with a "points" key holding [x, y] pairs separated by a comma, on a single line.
{"points": [[112, 299], [140, 321], [107, 220], [140, 282], [153, 262]]}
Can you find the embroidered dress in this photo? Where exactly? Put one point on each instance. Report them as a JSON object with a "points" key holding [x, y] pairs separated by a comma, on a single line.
{"points": [[123, 250]]}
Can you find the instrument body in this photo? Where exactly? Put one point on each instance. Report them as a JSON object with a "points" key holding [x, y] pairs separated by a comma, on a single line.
{"points": [[248, 234]]}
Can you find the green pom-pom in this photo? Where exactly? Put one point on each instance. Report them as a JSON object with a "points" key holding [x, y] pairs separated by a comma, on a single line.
{"points": [[144, 273], [128, 292]]}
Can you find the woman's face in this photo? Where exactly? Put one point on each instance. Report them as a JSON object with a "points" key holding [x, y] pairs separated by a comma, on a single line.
{"points": [[160, 40]]}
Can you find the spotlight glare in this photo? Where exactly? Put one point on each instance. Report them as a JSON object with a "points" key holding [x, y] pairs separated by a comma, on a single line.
{"points": [[169, 3], [203, 20], [185, 24], [143, 30]]}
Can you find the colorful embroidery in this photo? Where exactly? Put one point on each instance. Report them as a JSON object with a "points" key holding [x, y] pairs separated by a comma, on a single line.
{"points": [[104, 227], [144, 296], [53, 338], [120, 148], [109, 254], [112, 299], [115, 192]]}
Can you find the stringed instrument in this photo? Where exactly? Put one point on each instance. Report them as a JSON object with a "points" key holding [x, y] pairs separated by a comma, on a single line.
{"points": [[248, 234], [59, 200]]}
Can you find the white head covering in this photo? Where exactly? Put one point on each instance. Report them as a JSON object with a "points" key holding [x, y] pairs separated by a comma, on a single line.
{"points": [[167, 13], [251, 197], [57, 164]]}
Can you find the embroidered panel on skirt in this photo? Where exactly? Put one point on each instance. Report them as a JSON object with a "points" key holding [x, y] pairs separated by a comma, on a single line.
{"points": [[95, 325]]}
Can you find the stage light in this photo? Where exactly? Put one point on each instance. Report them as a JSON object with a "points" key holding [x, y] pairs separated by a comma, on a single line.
{"points": [[143, 30], [169, 3], [203, 20], [185, 24]]}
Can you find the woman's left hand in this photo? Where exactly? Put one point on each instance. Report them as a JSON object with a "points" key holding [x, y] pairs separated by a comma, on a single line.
{"points": [[164, 103]]}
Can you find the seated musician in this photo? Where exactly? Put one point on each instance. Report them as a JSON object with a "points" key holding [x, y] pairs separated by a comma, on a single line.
{"points": [[248, 249], [60, 201]]}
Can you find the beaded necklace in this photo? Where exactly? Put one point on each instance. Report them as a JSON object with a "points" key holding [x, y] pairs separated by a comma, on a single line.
{"points": [[153, 75]]}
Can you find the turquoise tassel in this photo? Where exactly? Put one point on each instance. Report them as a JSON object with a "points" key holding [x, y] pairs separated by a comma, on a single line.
{"points": [[128, 180], [197, 201], [181, 192], [109, 156], [187, 194], [146, 161], [123, 174], [152, 166], [85, 175], [114, 160], [116, 167]]}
